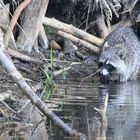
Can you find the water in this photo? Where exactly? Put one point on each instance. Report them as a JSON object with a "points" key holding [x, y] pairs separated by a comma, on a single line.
{"points": [[77, 110], [124, 111]]}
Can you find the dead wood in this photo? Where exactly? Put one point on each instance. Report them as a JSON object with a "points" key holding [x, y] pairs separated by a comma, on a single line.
{"points": [[112, 7], [22, 56], [31, 20], [42, 38], [4, 22], [4, 15], [72, 30], [102, 28], [12, 42], [8, 65], [56, 73], [14, 21], [79, 41]]}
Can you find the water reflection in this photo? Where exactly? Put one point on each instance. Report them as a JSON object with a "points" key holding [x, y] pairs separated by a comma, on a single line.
{"points": [[123, 113]]}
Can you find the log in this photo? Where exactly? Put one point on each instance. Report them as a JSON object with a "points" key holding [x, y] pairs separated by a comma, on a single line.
{"points": [[79, 41], [72, 30]]}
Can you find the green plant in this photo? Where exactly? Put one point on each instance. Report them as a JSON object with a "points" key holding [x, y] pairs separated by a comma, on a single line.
{"points": [[51, 56], [50, 85]]}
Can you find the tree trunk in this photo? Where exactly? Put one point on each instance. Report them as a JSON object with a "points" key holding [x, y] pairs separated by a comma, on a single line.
{"points": [[30, 22]]}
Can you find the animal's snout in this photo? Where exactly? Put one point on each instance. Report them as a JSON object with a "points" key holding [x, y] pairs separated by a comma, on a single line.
{"points": [[103, 71]]}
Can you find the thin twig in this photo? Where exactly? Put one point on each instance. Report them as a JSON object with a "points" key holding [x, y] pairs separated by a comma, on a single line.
{"points": [[93, 74], [5, 104], [56, 73], [89, 7]]}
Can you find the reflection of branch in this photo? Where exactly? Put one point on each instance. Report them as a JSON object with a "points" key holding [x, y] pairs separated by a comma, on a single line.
{"points": [[102, 111]]}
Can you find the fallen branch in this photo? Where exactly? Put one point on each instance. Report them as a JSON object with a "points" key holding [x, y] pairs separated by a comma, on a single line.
{"points": [[8, 65], [22, 56], [72, 30], [79, 41], [56, 73]]}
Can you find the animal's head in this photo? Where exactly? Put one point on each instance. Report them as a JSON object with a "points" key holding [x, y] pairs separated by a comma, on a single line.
{"points": [[112, 62]]}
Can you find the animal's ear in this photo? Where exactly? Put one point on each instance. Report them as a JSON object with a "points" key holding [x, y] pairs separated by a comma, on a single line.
{"points": [[121, 52], [106, 45]]}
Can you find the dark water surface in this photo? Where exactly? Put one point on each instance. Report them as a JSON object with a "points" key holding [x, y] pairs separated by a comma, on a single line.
{"points": [[76, 109]]}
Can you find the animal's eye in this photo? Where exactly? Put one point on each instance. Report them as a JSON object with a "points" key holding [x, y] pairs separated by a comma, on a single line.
{"points": [[100, 64], [110, 67]]}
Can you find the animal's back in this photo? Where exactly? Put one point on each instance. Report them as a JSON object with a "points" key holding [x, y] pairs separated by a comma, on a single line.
{"points": [[120, 55]]}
